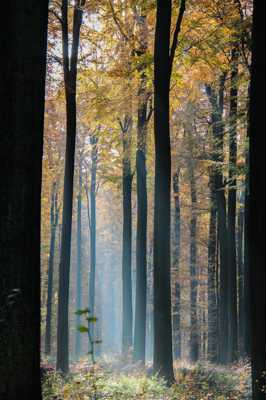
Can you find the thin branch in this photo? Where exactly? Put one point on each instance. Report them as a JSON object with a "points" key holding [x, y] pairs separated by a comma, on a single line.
{"points": [[176, 33], [53, 12], [117, 21]]}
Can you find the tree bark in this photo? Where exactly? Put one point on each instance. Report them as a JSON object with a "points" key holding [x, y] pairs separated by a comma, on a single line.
{"points": [[94, 161], [240, 271], [70, 78], [127, 314], [217, 104], [163, 358], [163, 62], [247, 264], [141, 240], [231, 215], [212, 277], [78, 334], [176, 272], [54, 215], [194, 272], [22, 90], [257, 217]]}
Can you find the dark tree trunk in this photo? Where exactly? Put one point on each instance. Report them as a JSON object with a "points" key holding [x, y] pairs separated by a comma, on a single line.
{"points": [[240, 271], [78, 341], [257, 218], [141, 240], [94, 161], [127, 313], [194, 334], [22, 90], [175, 273], [212, 277], [247, 265], [70, 78], [217, 102], [54, 214], [163, 358], [231, 215], [163, 62]]}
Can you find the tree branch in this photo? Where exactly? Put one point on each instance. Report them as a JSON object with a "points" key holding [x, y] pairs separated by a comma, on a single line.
{"points": [[176, 33], [117, 21], [53, 12]]}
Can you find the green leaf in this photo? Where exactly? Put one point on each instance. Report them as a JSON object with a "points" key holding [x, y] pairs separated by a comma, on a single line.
{"points": [[82, 329]]}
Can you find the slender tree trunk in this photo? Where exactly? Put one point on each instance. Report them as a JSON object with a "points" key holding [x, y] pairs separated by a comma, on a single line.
{"points": [[127, 315], [176, 272], [257, 201], [212, 277], [217, 101], [240, 268], [231, 215], [247, 238], [141, 241], [22, 90], [70, 78], [194, 334], [54, 214], [78, 341], [94, 161]]}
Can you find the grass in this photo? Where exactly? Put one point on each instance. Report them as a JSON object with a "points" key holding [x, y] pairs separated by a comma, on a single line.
{"points": [[199, 382]]}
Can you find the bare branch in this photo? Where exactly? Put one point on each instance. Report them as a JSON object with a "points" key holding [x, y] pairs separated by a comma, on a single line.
{"points": [[53, 12], [176, 33], [117, 21]]}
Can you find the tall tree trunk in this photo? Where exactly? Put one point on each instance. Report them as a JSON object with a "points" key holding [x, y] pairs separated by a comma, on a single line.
{"points": [[22, 89], [163, 358], [78, 334], [194, 272], [247, 265], [141, 241], [231, 215], [70, 78], [127, 315], [240, 272], [257, 218], [163, 62], [212, 277], [217, 103], [176, 272], [54, 214], [94, 161]]}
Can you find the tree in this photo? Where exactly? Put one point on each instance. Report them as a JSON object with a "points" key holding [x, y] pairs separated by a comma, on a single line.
{"points": [[126, 126], [176, 268], [93, 189], [79, 262], [217, 104], [163, 62], [257, 217], [212, 274], [194, 270], [141, 245], [22, 97], [54, 216], [70, 81]]}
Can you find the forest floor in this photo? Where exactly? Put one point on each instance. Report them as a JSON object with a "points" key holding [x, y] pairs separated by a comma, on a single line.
{"points": [[111, 381]]}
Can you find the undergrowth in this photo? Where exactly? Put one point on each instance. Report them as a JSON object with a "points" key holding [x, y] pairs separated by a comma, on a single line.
{"points": [[200, 382]]}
